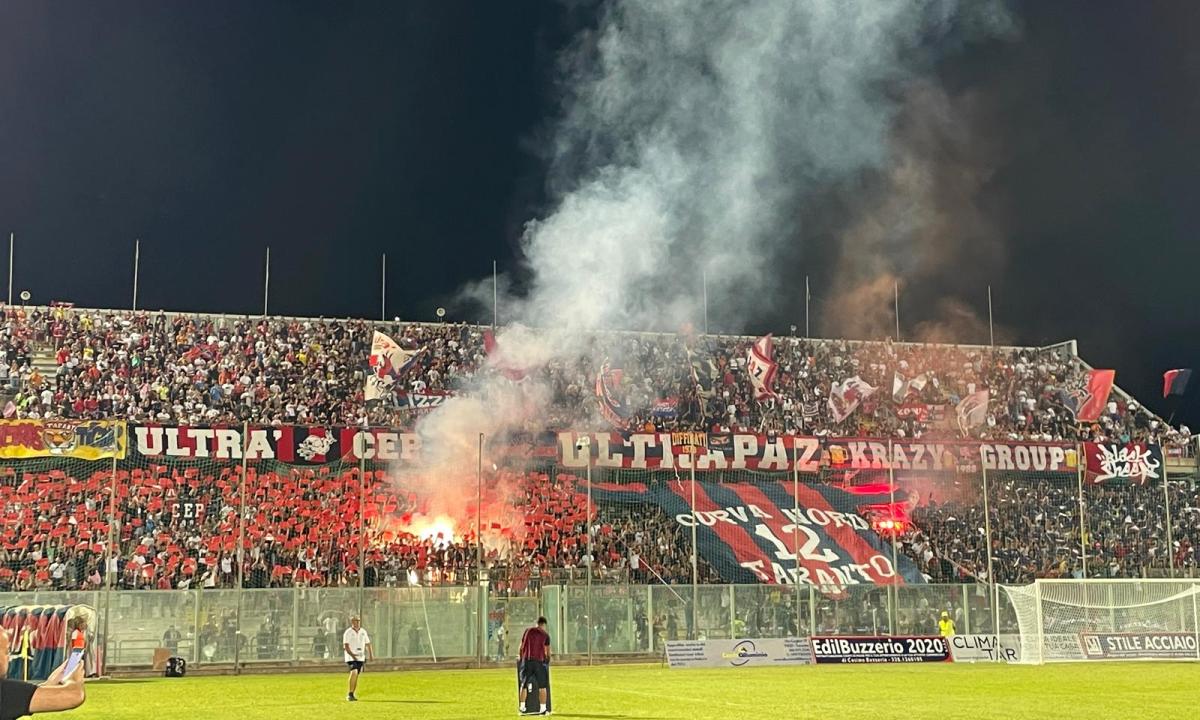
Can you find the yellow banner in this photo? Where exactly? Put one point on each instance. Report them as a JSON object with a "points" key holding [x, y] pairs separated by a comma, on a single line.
{"points": [[80, 439]]}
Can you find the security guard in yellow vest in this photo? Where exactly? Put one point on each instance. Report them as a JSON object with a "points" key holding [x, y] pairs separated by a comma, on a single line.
{"points": [[946, 625]]}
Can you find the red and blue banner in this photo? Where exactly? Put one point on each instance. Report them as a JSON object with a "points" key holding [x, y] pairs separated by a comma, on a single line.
{"points": [[763, 533]]}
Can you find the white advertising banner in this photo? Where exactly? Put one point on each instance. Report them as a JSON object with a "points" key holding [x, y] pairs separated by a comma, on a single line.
{"points": [[985, 648], [738, 653]]}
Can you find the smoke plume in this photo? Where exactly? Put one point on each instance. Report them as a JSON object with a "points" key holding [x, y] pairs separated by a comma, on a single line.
{"points": [[692, 135]]}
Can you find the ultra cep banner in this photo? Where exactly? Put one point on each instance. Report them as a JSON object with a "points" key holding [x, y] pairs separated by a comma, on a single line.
{"points": [[738, 653], [750, 451], [761, 532], [853, 650], [79, 439], [300, 445]]}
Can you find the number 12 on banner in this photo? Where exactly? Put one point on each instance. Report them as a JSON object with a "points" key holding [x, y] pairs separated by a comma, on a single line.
{"points": [[809, 550]]}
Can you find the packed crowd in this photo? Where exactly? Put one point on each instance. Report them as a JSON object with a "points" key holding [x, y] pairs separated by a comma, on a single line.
{"points": [[177, 527], [194, 369], [1036, 532]]}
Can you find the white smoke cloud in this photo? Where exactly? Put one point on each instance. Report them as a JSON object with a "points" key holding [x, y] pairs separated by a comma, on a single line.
{"points": [[692, 134]]}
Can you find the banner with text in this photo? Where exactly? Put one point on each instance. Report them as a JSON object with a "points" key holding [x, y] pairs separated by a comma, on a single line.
{"points": [[750, 451], [1134, 463], [1140, 646], [738, 653], [79, 439], [880, 649], [985, 648], [761, 532]]}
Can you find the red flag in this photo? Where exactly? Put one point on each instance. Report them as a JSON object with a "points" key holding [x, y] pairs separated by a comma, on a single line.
{"points": [[1099, 385]]}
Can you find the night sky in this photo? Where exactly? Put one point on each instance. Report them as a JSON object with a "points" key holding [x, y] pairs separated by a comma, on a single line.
{"points": [[335, 132]]}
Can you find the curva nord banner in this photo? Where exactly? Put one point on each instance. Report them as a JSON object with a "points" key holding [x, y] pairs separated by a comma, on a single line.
{"points": [[761, 532]]}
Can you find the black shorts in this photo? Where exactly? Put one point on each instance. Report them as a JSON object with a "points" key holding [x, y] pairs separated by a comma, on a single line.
{"points": [[355, 665], [15, 697], [536, 672]]}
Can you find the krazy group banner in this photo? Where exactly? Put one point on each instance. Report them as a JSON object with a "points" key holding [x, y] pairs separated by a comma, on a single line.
{"points": [[761, 532], [750, 451], [79, 439]]}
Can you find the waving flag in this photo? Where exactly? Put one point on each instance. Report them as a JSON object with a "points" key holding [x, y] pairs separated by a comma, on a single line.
{"points": [[845, 397], [387, 360], [902, 388], [610, 407], [972, 411], [1086, 396], [761, 366], [1175, 382]]}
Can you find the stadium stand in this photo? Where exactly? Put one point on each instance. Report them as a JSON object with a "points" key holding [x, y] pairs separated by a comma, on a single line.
{"points": [[177, 524], [206, 369]]}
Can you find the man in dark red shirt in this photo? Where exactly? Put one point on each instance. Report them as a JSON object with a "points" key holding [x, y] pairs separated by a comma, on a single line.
{"points": [[535, 664]]}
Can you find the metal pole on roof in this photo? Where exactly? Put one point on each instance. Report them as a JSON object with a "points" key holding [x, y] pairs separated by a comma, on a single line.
{"points": [[267, 282], [896, 295], [991, 328], [704, 285], [495, 298], [137, 255], [807, 298], [12, 240], [383, 290]]}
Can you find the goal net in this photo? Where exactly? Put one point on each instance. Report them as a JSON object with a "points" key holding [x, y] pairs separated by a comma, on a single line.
{"points": [[1070, 620]]}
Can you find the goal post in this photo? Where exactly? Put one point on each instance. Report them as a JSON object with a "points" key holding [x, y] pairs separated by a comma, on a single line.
{"points": [[1133, 619]]}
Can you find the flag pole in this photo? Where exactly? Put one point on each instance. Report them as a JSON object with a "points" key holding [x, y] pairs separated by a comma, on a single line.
{"points": [[896, 295], [137, 254], [991, 328], [383, 290], [807, 297], [267, 282]]}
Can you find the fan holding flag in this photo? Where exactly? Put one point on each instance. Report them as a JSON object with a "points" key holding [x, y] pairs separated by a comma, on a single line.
{"points": [[388, 360]]}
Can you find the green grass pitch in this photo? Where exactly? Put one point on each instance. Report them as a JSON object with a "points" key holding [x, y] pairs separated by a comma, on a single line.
{"points": [[941, 691]]}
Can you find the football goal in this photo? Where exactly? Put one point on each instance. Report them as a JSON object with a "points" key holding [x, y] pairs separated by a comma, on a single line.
{"points": [[1072, 620]]}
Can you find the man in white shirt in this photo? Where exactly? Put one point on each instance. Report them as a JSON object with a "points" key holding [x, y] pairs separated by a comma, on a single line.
{"points": [[357, 647]]}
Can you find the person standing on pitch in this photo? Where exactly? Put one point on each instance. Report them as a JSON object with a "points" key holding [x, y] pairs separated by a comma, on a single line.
{"points": [[357, 646], [535, 664], [946, 625]]}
